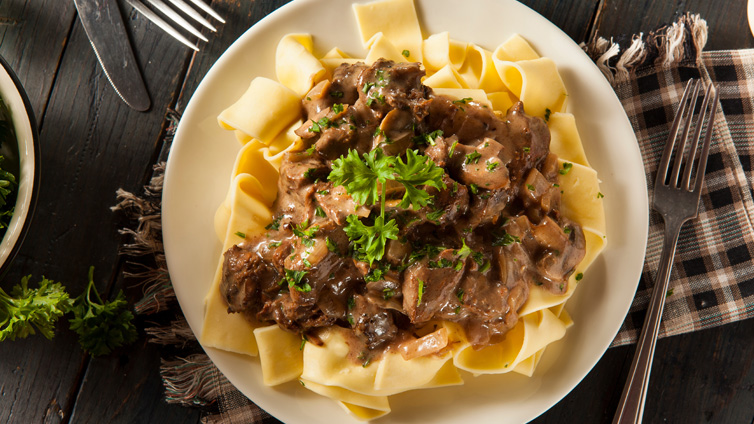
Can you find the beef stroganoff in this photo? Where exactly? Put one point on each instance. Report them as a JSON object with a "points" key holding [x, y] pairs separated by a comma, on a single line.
{"points": [[396, 218]]}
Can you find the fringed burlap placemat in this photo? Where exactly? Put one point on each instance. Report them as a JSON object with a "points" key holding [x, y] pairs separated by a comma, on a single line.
{"points": [[713, 278]]}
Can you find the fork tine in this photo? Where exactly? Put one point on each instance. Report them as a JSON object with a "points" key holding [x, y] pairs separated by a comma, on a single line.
{"points": [[170, 13], [685, 182], [157, 20], [662, 170], [200, 4], [188, 10], [688, 120], [705, 149]]}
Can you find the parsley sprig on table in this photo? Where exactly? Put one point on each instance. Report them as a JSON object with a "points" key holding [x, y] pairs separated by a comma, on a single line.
{"points": [[26, 311], [365, 179], [100, 325]]}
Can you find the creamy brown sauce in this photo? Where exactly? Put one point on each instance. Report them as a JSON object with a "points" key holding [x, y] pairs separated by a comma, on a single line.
{"points": [[469, 257]]}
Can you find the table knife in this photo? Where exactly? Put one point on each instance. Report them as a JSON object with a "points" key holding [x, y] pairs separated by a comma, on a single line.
{"points": [[107, 34]]}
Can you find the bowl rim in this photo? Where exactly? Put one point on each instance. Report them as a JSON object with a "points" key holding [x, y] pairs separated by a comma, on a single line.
{"points": [[5, 265]]}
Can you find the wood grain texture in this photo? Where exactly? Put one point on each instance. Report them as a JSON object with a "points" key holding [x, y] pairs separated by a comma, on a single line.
{"points": [[728, 26], [33, 35], [92, 144], [573, 17]]}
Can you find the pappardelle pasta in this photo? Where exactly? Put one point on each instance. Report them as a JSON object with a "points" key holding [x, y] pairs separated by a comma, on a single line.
{"points": [[398, 218]]}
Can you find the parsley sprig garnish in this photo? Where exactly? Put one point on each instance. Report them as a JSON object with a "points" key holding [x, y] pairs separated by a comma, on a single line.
{"points": [[26, 311], [365, 179], [102, 326]]}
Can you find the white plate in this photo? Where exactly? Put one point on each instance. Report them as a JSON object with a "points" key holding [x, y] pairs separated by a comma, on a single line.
{"points": [[202, 155]]}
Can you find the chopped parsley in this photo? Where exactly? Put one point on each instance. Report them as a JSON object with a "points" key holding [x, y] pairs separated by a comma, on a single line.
{"points": [[548, 112], [435, 215], [492, 165], [420, 293], [600, 195], [387, 293], [294, 279], [452, 148], [376, 274], [579, 276], [473, 157], [274, 225], [331, 246], [506, 240], [428, 138], [485, 267], [566, 168], [337, 108], [442, 263], [336, 94], [321, 124], [405, 53], [306, 233], [240, 234], [318, 211]]}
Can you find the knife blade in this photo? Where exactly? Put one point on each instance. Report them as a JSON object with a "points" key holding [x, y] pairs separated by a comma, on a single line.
{"points": [[107, 34]]}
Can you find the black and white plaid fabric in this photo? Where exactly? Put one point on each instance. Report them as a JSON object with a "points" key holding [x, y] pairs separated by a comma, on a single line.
{"points": [[712, 282]]}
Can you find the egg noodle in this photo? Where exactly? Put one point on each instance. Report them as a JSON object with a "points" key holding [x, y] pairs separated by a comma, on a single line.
{"points": [[264, 120]]}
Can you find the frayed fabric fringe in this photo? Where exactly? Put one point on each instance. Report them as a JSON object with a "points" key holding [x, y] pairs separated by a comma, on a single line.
{"points": [[177, 333], [146, 240], [190, 380], [667, 46]]}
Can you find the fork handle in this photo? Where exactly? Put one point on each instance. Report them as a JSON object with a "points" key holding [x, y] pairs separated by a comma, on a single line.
{"points": [[631, 406]]}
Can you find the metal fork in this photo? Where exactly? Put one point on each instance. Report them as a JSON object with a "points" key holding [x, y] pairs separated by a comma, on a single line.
{"points": [[677, 200], [181, 5]]}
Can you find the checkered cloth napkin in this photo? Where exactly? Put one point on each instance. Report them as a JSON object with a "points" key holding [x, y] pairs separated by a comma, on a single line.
{"points": [[712, 281]]}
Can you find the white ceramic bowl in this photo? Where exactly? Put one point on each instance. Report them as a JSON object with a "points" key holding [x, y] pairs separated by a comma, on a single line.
{"points": [[25, 125]]}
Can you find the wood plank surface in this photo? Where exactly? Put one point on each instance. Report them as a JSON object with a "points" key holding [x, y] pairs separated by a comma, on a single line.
{"points": [[92, 144], [728, 26], [33, 35]]}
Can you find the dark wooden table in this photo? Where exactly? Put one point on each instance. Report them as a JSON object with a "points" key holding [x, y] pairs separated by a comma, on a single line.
{"points": [[92, 144]]}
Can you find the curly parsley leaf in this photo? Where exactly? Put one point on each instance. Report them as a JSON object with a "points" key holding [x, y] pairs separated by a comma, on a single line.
{"points": [[418, 171], [370, 241], [361, 177], [25, 309], [102, 326]]}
